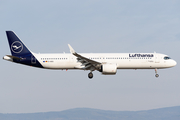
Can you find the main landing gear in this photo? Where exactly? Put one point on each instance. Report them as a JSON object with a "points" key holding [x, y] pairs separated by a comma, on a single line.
{"points": [[90, 75], [157, 75]]}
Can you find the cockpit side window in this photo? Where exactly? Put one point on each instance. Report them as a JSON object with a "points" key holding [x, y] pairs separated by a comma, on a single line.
{"points": [[166, 58]]}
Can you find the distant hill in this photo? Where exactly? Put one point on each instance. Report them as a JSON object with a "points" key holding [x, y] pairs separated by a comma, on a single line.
{"points": [[170, 113]]}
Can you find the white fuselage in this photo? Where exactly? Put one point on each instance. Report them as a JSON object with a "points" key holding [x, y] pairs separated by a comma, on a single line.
{"points": [[122, 60]]}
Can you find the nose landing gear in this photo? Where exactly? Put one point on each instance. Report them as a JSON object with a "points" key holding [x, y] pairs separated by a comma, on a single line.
{"points": [[157, 75], [90, 75]]}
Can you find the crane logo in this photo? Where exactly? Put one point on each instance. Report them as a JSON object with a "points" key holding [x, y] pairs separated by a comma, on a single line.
{"points": [[16, 47]]}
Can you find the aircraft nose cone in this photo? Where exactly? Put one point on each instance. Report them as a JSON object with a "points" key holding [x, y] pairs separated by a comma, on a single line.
{"points": [[174, 63]]}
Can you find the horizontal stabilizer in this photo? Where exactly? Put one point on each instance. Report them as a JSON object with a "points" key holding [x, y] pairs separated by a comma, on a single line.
{"points": [[13, 57]]}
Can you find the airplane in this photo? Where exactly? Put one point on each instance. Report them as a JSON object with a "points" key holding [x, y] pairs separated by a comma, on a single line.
{"points": [[106, 63]]}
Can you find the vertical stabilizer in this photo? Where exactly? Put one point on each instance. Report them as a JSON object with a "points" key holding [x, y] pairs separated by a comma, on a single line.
{"points": [[17, 47]]}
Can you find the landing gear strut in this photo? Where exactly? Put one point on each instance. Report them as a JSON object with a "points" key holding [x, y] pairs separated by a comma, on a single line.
{"points": [[90, 75], [157, 75]]}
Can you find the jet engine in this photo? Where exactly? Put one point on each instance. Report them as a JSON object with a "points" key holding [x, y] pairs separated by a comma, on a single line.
{"points": [[108, 69]]}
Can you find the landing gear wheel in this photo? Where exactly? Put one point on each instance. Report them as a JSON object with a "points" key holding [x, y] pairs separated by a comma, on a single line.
{"points": [[90, 75], [157, 75]]}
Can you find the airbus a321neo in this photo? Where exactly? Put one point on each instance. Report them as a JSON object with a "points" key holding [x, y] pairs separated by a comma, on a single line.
{"points": [[106, 63]]}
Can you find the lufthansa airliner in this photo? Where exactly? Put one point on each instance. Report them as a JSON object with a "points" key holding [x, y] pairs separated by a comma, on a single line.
{"points": [[106, 63]]}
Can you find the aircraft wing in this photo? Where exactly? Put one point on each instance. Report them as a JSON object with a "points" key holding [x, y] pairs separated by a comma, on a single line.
{"points": [[88, 63]]}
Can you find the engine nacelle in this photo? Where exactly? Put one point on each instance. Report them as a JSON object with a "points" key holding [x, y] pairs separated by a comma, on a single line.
{"points": [[109, 69]]}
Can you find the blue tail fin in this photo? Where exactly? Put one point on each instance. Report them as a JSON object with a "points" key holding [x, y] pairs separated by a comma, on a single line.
{"points": [[17, 47]]}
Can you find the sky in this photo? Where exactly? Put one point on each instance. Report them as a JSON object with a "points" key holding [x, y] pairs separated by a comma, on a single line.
{"points": [[91, 26]]}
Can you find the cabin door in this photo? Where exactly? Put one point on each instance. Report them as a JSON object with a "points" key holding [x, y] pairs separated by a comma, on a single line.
{"points": [[33, 59], [157, 58]]}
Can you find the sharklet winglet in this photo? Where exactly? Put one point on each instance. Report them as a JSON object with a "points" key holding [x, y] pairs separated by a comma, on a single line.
{"points": [[71, 49]]}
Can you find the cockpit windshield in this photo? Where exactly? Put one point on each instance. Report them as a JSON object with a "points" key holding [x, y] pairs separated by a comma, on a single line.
{"points": [[167, 58]]}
